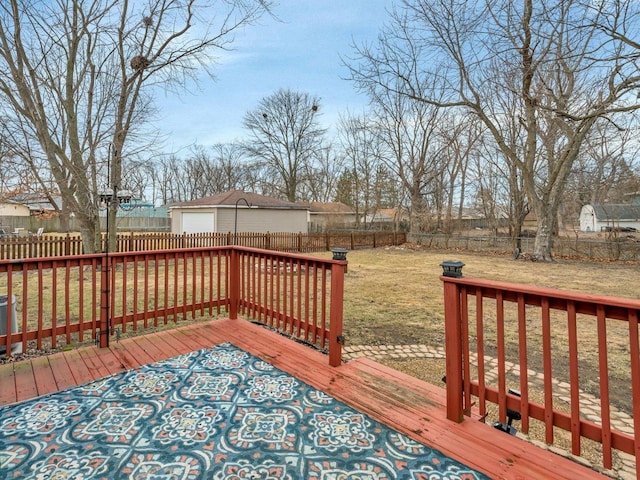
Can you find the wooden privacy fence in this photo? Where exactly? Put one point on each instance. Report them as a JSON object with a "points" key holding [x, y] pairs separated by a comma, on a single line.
{"points": [[15, 248], [59, 301], [498, 334]]}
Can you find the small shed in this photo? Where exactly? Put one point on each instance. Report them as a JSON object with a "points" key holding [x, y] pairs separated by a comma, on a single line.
{"points": [[238, 211], [610, 217]]}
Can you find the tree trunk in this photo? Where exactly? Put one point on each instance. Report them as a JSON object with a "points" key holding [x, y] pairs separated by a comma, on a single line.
{"points": [[90, 232], [543, 245]]}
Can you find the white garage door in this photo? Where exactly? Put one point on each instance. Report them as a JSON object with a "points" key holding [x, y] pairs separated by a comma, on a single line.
{"points": [[197, 222]]}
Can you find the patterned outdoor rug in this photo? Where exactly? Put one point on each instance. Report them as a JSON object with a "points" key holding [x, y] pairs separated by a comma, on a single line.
{"points": [[218, 413]]}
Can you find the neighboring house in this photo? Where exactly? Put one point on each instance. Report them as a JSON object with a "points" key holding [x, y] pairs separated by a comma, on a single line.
{"points": [[238, 211], [378, 218], [330, 215], [608, 217], [38, 204], [12, 209]]}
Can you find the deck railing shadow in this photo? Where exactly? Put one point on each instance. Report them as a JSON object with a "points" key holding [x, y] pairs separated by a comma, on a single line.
{"points": [[61, 301], [499, 334]]}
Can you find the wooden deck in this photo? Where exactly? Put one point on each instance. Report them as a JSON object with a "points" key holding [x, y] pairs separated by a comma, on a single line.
{"points": [[411, 406]]}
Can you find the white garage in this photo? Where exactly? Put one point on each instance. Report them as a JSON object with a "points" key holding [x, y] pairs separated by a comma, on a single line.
{"points": [[196, 222], [238, 211]]}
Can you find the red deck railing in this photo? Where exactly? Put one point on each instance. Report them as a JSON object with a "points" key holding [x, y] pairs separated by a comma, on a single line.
{"points": [[294, 294], [73, 299], [498, 334]]}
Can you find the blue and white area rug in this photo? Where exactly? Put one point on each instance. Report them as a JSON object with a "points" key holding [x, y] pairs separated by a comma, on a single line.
{"points": [[218, 413]]}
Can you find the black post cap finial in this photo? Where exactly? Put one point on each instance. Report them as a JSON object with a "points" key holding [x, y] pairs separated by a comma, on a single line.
{"points": [[452, 268], [339, 253]]}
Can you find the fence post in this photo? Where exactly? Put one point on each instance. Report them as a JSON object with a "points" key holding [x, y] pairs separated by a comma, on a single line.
{"points": [[67, 245], [453, 339], [336, 339], [352, 240], [327, 240], [234, 283], [299, 241]]}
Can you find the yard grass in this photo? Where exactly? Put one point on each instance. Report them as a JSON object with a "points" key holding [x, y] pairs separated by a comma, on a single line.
{"points": [[394, 296]]}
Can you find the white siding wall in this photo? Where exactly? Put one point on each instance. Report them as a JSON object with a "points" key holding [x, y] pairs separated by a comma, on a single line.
{"points": [[14, 210], [262, 220]]}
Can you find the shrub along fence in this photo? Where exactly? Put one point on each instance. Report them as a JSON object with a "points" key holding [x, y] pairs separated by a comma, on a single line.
{"points": [[16, 248]]}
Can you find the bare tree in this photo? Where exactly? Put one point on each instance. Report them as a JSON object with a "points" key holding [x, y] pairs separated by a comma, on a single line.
{"points": [[562, 71], [321, 176], [284, 136], [76, 79], [231, 170], [460, 139], [413, 148], [362, 152]]}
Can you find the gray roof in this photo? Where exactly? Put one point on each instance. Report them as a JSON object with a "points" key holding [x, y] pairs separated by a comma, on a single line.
{"points": [[238, 197], [615, 211]]}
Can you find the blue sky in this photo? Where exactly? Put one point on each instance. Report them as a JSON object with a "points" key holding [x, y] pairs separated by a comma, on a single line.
{"points": [[301, 52]]}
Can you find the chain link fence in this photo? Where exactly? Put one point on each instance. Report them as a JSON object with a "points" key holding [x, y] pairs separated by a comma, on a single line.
{"points": [[617, 247]]}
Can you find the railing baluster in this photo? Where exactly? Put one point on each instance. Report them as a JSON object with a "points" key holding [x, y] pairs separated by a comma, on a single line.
{"points": [[466, 368], [67, 304], [54, 305], [482, 387], [574, 379], [524, 363], [634, 360], [607, 460], [548, 371], [25, 290]]}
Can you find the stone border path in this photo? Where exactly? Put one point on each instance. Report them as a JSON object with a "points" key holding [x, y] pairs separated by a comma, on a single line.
{"points": [[589, 405]]}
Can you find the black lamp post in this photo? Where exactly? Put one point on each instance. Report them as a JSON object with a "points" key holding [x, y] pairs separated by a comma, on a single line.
{"points": [[110, 198], [235, 223]]}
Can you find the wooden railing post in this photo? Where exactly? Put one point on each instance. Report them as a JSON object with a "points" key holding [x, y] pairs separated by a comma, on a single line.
{"points": [[336, 339], [234, 283], [453, 340]]}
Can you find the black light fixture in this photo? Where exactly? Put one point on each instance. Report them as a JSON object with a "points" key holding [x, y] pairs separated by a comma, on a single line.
{"points": [[339, 253], [452, 268]]}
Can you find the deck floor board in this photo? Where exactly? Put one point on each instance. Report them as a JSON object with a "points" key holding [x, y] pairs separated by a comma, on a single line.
{"points": [[405, 403]]}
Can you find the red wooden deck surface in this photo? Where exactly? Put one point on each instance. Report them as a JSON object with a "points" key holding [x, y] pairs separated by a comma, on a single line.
{"points": [[409, 405]]}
